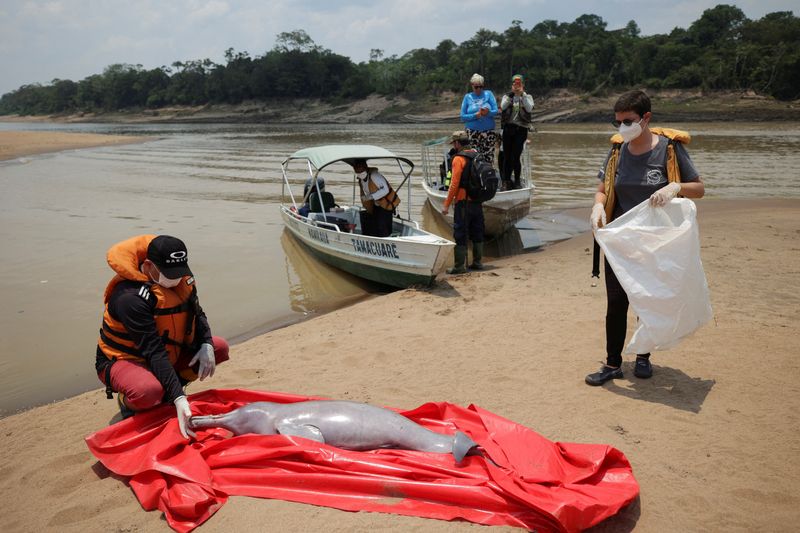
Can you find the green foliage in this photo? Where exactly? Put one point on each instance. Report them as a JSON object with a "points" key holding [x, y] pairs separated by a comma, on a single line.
{"points": [[723, 50]]}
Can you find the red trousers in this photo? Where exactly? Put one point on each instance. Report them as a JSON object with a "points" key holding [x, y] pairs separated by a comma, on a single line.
{"points": [[140, 387]]}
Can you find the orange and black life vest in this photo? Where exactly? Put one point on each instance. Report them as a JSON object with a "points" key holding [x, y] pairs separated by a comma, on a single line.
{"points": [[673, 170], [388, 202], [174, 314]]}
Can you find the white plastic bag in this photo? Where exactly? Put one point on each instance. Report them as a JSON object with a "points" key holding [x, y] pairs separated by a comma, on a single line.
{"points": [[655, 253]]}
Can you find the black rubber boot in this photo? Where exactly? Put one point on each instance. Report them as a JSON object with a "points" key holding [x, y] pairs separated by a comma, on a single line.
{"points": [[477, 255], [460, 254]]}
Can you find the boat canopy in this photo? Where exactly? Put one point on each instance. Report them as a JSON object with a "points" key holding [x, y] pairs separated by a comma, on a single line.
{"points": [[322, 156], [318, 157]]}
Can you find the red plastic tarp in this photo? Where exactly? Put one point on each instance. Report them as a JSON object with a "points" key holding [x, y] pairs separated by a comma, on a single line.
{"points": [[529, 482]]}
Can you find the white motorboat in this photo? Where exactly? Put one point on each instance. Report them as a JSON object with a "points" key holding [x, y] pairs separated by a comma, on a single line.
{"points": [[409, 256], [501, 212]]}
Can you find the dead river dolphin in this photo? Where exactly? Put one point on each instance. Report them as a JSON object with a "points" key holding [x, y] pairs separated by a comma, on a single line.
{"points": [[348, 425]]}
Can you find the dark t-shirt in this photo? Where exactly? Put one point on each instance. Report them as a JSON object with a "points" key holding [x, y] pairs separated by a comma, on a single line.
{"points": [[639, 176], [327, 201], [133, 305]]}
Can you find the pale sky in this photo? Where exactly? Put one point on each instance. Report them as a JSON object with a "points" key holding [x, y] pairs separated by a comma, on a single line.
{"points": [[72, 39]]}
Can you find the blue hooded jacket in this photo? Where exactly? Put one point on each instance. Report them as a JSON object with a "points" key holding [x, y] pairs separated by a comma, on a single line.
{"points": [[470, 106]]}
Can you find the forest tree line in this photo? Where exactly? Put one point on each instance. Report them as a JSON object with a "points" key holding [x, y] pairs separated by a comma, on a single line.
{"points": [[722, 50]]}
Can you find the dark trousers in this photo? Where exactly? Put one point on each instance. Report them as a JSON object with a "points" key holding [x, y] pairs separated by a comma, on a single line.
{"points": [[377, 224], [616, 319], [514, 138], [468, 222]]}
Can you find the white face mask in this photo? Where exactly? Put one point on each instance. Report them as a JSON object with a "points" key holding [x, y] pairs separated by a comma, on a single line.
{"points": [[362, 175], [166, 282], [629, 133]]}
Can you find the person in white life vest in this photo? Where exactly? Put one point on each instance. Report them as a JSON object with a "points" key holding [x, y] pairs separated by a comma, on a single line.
{"points": [[155, 337], [378, 198]]}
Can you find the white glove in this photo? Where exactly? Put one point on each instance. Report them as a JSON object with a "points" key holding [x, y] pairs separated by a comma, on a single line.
{"points": [[663, 195], [207, 361], [598, 216], [184, 413]]}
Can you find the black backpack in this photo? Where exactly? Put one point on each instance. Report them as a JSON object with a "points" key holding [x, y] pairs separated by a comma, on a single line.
{"points": [[481, 179]]}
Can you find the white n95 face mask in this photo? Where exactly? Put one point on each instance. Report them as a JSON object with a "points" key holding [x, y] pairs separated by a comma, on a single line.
{"points": [[162, 280], [166, 282], [361, 175], [629, 133]]}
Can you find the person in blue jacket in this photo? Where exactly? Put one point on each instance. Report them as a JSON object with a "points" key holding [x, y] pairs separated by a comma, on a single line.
{"points": [[478, 110]]}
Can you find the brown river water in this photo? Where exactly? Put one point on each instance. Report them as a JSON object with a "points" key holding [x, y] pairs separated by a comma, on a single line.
{"points": [[218, 188]]}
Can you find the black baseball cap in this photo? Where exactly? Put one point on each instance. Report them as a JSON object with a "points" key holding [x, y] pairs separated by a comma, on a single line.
{"points": [[170, 256]]}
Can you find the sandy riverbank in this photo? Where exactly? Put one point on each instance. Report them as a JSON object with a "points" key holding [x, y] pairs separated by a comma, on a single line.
{"points": [[712, 437], [14, 144]]}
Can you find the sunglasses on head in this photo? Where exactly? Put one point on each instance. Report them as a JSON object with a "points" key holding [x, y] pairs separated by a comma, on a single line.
{"points": [[627, 122]]}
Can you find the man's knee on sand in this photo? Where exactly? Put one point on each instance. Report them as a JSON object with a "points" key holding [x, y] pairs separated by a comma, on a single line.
{"points": [[221, 349]]}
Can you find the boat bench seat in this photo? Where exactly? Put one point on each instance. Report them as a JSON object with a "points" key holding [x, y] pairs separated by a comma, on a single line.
{"points": [[343, 221]]}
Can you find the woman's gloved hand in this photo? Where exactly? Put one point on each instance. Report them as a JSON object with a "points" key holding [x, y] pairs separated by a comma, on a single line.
{"points": [[184, 413], [205, 355], [663, 195], [598, 216]]}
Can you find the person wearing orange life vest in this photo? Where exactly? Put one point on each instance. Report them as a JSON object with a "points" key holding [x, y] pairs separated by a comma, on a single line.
{"points": [[378, 198], [155, 337], [643, 163]]}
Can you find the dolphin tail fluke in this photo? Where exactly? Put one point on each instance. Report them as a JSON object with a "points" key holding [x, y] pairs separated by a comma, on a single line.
{"points": [[462, 445]]}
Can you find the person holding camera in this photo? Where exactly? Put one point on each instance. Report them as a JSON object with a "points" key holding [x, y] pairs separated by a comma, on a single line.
{"points": [[516, 120]]}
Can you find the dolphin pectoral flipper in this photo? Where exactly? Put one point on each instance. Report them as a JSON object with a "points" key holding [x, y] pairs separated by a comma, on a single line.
{"points": [[462, 445], [301, 430]]}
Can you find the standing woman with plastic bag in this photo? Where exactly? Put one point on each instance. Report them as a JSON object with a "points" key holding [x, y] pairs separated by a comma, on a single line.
{"points": [[642, 163]]}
